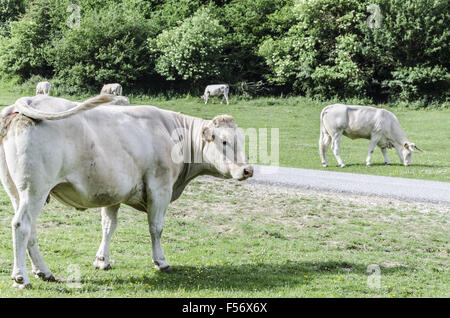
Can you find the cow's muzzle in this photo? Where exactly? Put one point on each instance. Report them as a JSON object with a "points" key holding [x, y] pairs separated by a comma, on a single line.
{"points": [[243, 172]]}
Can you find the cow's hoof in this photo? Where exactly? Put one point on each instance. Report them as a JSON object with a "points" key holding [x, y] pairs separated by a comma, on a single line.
{"points": [[46, 278], [343, 165], [162, 266], [21, 282], [324, 165], [166, 269], [388, 163], [100, 263], [368, 164]]}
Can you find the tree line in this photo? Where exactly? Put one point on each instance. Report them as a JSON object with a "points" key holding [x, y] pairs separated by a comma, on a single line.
{"points": [[377, 50]]}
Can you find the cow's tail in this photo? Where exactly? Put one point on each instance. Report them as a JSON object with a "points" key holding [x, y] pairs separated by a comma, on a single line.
{"points": [[324, 139], [6, 180], [23, 108]]}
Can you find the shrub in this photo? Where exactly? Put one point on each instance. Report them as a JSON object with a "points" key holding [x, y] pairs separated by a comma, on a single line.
{"points": [[25, 52], [108, 46], [332, 50], [191, 51]]}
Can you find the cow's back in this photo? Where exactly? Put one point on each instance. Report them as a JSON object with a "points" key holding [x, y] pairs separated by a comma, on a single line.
{"points": [[98, 157]]}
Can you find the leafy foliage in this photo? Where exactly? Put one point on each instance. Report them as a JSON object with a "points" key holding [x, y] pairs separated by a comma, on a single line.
{"points": [[191, 51], [396, 51], [108, 46]]}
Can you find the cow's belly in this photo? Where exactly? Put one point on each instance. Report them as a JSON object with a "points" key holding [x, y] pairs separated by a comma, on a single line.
{"points": [[89, 194], [356, 135]]}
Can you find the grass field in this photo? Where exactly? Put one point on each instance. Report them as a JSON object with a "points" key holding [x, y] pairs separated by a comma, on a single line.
{"points": [[230, 239], [297, 119]]}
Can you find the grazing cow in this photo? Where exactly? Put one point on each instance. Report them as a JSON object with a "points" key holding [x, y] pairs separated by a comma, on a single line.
{"points": [[120, 100], [379, 125], [140, 156], [115, 89], [43, 88], [216, 90]]}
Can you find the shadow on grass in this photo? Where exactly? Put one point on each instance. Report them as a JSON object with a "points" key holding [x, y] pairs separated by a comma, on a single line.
{"points": [[246, 277]]}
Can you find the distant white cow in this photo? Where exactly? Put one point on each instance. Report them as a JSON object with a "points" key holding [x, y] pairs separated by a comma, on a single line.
{"points": [[43, 88], [115, 89], [120, 100], [379, 125], [216, 90]]}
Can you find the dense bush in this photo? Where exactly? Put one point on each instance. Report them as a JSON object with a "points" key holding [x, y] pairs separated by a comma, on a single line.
{"points": [[384, 50], [10, 10], [191, 51], [26, 51], [96, 53], [332, 50]]}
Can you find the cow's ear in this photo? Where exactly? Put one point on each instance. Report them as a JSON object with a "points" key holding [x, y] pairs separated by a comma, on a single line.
{"points": [[208, 134], [406, 145]]}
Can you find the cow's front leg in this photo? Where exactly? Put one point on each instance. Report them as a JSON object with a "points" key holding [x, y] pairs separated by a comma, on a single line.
{"points": [[386, 159], [109, 225], [160, 199], [372, 144]]}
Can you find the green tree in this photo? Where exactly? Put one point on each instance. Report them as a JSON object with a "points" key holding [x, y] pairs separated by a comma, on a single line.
{"points": [[191, 51], [25, 51], [108, 46]]}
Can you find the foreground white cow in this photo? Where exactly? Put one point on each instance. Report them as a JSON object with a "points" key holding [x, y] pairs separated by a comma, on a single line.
{"points": [[140, 156], [115, 89], [216, 90], [43, 88], [378, 125]]}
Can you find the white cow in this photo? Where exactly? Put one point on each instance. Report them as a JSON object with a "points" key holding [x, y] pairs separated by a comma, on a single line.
{"points": [[140, 156], [43, 88], [216, 90], [379, 125], [115, 89], [120, 100]]}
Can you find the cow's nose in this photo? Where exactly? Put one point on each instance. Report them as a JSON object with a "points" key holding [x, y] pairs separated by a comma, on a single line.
{"points": [[248, 172]]}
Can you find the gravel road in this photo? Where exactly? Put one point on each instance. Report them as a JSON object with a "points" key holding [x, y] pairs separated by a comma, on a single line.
{"points": [[343, 182]]}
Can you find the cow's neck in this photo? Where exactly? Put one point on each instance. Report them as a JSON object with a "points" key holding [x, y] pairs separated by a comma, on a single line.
{"points": [[192, 142], [398, 136]]}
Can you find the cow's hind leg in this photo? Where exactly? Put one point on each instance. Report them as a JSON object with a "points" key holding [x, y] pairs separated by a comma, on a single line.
{"points": [[160, 199], [109, 224], [372, 144], [23, 228], [39, 268], [324, 142]]}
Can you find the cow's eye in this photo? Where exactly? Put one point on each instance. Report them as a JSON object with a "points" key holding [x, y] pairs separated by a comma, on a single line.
{"points": [[224, 143]]}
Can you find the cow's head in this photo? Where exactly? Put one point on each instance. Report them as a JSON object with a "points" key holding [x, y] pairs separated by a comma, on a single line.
{"points": [[407, 151], [225, 149]]}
